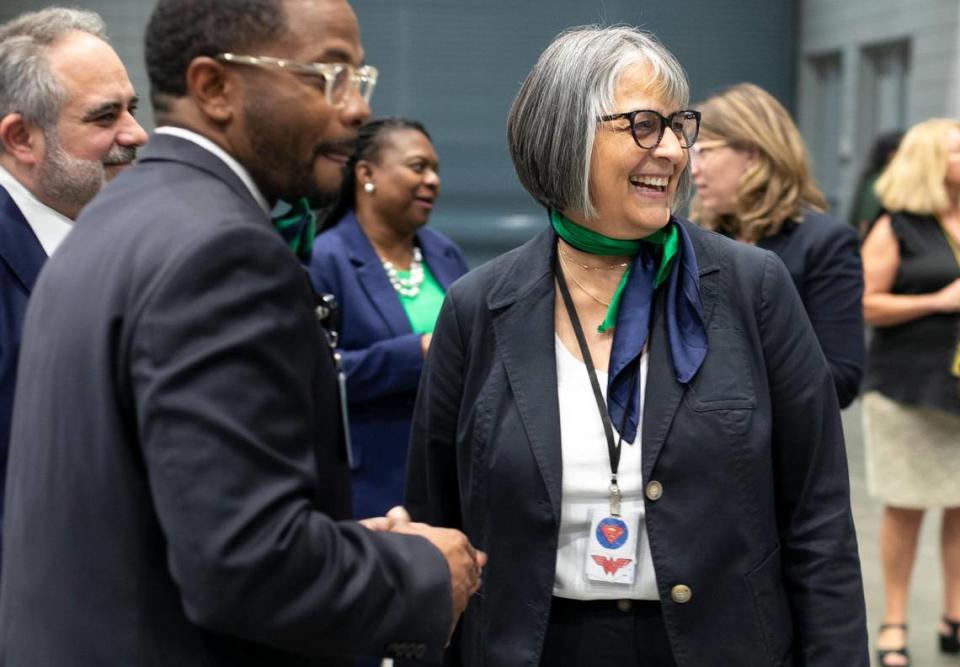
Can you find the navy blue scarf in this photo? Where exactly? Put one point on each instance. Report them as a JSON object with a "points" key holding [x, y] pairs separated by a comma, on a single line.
{"points": [[686, 332]]}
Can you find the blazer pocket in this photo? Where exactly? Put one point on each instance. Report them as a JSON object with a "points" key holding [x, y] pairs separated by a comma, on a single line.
{"points": [[720, 403], [772, 609], [725, 381]]}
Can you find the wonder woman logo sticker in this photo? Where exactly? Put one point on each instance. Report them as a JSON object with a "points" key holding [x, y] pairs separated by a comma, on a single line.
{"points": [[611, 565]]}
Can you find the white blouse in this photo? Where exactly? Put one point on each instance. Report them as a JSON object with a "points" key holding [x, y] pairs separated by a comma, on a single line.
{"points": [[586, 480]]}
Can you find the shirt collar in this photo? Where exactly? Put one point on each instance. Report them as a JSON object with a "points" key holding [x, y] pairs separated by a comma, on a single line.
{"points": [[49, 226], [228, 159]]}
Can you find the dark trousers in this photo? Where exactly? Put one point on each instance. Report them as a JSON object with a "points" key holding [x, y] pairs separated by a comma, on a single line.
{"points": [[605, 633]]}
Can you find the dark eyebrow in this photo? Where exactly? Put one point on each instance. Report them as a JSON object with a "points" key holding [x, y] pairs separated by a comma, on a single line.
{"points": [[109, 107], [334, 55]]}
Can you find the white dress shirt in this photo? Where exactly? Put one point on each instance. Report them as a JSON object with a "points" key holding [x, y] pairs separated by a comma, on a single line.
{"points": [[49, 226], [586, 482]]}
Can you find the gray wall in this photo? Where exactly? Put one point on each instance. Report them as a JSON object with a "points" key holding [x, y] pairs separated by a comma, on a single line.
{"points": [[456, 65], [859, 103]]}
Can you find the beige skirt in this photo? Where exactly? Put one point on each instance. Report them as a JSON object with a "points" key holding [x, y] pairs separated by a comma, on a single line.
{"points": [[912, 454]]}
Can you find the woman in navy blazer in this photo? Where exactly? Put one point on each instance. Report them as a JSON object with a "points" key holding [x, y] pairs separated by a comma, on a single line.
{"points": [[721, 533], [754, 184], [375, 254]]}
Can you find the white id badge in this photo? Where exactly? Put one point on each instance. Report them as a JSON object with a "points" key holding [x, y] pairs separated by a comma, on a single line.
{"points": [[612, 547]]}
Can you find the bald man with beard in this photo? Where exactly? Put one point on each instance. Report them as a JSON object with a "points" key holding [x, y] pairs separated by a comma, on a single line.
{"points": [[66, 127]]}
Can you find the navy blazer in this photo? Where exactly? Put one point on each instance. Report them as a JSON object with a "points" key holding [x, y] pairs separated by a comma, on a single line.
{"points": [[753, 509], [21, 257], [381, 354], [823, 258], [181, 499]]}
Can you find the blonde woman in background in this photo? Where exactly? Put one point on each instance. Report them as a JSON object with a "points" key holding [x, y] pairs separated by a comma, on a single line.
{"points": [[754, 184], [911, 408]]}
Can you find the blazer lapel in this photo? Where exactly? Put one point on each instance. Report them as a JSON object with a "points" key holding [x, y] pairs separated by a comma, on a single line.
{"points": [[523, 325], [19, 246], [663, 393], [373, 279], [443, 266], [708, 267]]}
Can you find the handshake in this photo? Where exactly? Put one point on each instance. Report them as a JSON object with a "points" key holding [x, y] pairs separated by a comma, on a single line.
{"points": [[465, 562]]}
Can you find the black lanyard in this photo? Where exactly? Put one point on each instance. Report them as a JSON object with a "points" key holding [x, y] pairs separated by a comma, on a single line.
{"points": [[612, 449]]}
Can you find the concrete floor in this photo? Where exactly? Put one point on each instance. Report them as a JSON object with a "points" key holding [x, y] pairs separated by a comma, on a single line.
{"points": [[925, 592]]}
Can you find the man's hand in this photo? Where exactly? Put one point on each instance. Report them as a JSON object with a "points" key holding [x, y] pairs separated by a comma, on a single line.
{"points": [[396, 517], [466, 563]]}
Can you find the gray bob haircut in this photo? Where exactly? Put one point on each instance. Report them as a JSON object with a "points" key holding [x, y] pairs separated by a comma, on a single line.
{"points": [[27, 86], [553, 120]]}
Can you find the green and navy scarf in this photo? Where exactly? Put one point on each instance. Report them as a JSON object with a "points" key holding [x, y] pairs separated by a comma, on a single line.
{"points": [[664, 259]]}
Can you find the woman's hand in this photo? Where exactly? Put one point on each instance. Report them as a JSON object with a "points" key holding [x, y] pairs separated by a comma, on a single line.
{"points": [[425, 344], [881, 261], [948, 298]]}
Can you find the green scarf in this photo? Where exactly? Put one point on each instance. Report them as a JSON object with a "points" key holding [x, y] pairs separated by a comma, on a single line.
{"points": [[590, 241]]}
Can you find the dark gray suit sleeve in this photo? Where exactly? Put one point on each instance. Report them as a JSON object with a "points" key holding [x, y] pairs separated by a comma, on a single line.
{"points": [[224, 364], [821, 567]]}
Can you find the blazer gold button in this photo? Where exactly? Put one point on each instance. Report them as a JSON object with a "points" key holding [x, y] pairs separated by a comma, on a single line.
{"points": [[624, 605], [654, 490], [681, 594]]}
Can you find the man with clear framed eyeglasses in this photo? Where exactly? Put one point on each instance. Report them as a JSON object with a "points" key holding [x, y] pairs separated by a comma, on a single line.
{"points": [[182, 501]]}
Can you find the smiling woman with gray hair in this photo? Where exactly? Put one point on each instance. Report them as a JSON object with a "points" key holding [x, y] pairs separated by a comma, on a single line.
{"points": [[631, 415]]}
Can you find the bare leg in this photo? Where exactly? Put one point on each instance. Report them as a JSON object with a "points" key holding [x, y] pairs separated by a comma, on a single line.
{"points": [[950, 556], [899, 530]]}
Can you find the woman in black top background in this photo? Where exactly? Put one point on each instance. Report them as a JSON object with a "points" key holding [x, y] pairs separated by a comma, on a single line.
{"points": [[911, 406]]}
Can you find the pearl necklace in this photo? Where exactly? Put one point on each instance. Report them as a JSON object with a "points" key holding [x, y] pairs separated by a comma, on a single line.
{"points": [[409, 286]]}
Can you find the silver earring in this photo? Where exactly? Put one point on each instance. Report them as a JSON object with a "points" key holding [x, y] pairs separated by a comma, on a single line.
{"points": [[369, 188]]}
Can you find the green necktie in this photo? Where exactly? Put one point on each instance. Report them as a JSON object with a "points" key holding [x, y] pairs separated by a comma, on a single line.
{"points": [[298, 228]]}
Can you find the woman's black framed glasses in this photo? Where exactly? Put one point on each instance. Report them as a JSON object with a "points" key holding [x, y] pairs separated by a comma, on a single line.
{"points": [[647, 126]]}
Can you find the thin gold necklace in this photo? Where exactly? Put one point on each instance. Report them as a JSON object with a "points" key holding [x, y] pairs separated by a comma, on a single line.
{"points": [[593, 268], [584, 289]]}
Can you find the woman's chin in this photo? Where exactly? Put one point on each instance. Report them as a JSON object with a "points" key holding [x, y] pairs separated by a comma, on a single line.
{"points": [[653, 220]]}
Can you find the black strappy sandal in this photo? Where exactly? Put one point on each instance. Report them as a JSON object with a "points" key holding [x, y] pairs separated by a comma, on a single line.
{"points": [[949, 643], [883, 653]]}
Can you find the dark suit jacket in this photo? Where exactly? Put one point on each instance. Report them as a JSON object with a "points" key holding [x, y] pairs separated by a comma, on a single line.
{"points": [[823, 258], [21, 257], [754, 515], [176, 467], [380, 353]]}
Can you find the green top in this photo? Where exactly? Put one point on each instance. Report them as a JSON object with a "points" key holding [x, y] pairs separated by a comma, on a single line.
{"points": [[422, 310]]}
